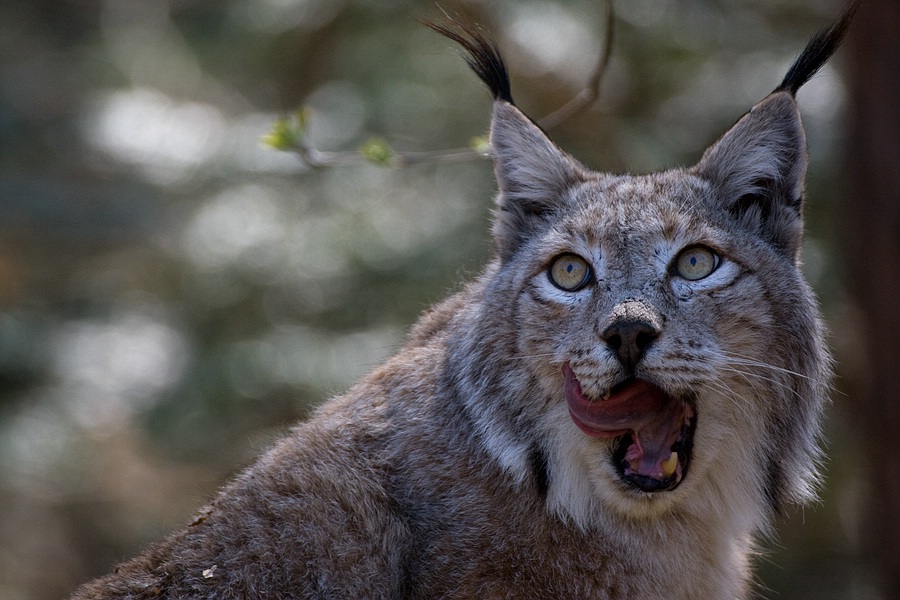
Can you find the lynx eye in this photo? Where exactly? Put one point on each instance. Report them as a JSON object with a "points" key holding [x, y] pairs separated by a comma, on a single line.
{"points": [[696, 263], [569, 272]]}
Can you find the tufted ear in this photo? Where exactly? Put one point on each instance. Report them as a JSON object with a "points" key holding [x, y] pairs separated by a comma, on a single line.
{"points": [[533, 175], [759, 165], [757, 169]]}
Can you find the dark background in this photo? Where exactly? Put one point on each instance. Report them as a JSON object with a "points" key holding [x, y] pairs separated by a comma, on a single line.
{"points": [[173, 295]]}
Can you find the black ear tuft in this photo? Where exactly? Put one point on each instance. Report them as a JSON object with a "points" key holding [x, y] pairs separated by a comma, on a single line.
{"points": [[532, 172], [817, 51], [482, 54]]}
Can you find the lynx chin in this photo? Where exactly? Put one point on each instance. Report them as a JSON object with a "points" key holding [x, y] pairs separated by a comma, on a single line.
{"points": [[613, 409]]}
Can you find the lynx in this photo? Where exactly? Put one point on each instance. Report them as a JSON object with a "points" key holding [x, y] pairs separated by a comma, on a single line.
{"points": [[614, 409]]}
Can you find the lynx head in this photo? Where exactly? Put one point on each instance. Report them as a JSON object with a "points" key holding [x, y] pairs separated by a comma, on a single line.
{"points": [[646, 346]]}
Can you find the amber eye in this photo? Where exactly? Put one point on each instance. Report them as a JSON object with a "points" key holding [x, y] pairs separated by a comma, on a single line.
{"points": [[696, 263], [569, 272]]}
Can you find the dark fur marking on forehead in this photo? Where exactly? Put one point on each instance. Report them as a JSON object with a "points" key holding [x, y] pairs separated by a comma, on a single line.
{"points": [[818, 50], [482, 55]]}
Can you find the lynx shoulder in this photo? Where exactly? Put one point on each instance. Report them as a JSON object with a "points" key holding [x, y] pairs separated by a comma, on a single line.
{"points": [[613, 409]]}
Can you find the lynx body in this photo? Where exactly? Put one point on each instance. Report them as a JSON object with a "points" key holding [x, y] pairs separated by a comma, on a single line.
{"points": [[612, 410]]}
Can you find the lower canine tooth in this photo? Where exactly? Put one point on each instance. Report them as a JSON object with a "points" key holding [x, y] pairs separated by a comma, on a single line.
{"points": [[668, 465]]}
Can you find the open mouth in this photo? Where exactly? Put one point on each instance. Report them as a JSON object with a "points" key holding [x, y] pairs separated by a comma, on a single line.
{"points": [[653, 432]]}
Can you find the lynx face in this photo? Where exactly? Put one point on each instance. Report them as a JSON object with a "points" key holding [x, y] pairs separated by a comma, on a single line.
{"points": [[664, 351], [658, 327]]}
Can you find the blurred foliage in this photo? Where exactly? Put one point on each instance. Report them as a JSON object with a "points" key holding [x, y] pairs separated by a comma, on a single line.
{"points": [[173, 294]]}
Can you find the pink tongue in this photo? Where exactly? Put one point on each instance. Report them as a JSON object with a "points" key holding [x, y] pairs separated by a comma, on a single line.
{"points": [[652, 417]]}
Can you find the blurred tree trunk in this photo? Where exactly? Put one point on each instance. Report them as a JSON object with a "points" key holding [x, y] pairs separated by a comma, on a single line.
{"points": [[871, 211]]}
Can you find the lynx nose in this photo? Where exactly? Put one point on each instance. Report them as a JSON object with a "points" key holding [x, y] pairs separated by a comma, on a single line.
{"points": [[633, 329]]}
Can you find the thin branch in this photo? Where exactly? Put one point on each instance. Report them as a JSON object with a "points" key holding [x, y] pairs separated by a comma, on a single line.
{"points": [[318, 159], [589, 94], [289, 133], [404, 159]]}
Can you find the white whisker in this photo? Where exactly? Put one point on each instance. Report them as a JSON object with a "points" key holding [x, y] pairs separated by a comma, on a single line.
{"points": [[750, 361]]}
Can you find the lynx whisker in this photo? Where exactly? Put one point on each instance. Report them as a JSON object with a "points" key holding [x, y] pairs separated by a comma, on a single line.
{"points": [[748, 374], [736, 358]]}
